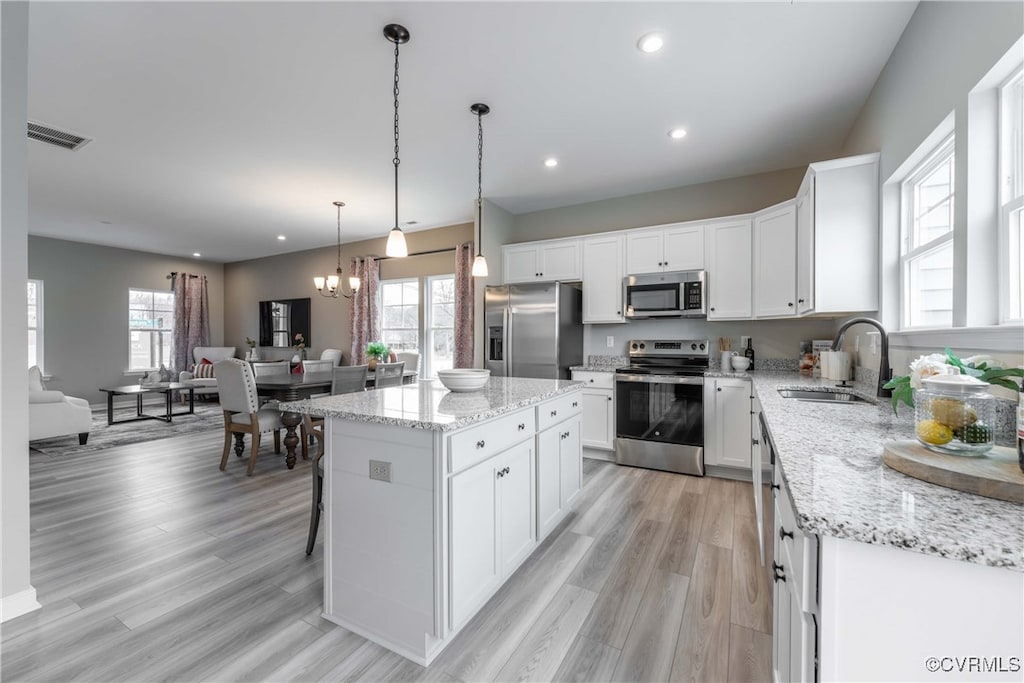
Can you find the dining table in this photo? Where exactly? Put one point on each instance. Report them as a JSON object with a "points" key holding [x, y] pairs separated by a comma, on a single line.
{"points": [[297, 386]]}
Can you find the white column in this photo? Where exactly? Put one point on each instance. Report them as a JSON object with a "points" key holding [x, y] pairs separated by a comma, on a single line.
{"points": [[17, 596]]}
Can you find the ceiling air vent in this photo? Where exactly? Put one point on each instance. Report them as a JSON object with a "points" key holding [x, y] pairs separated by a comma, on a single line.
{"points": [[53, 136]]}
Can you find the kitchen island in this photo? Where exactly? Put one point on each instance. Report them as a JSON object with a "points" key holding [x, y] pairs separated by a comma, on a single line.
{"points": [[880, 576], [432, 499]]}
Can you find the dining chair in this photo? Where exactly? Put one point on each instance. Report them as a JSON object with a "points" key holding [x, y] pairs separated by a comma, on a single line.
{"points": [[317, 365], [269, 368], [333, 355], [347, 380], [243, 414], [388, 375], [411, 358]]}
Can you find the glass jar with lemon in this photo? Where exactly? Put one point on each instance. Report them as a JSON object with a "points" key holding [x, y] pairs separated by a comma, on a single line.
{"points": [[955, 414]]}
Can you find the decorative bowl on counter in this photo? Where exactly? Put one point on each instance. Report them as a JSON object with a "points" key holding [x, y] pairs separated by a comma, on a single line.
{"points": [[955, 414], [740, 363], [464, 379]]}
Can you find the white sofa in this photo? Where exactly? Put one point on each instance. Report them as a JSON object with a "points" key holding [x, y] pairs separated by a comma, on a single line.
{"points": [[51, 413], [205, 385]]}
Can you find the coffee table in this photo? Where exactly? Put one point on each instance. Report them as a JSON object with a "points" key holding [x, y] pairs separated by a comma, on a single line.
{"points": [[138, 390]]}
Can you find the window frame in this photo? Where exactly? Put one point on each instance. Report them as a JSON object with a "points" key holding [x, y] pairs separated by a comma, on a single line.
{"points": [[419, 308], [910, 252], [161, 331], [428, 326], [39, 326], [1011, 206]]}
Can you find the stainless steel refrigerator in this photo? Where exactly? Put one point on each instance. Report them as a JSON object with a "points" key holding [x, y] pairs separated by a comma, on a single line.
{"points": [[533, 330]]}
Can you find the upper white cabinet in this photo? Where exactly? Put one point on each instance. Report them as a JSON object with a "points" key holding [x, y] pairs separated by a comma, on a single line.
{"points": [[837, 236], [542, 261], [775, 261], [602, 278], [728, 262], [679, 246]]}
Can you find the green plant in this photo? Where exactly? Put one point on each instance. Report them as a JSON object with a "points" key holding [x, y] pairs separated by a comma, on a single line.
{"points": [[378, 350], [251, 342], [981, 367]]}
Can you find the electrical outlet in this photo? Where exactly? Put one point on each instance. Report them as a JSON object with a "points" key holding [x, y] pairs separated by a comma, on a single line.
{"points": [[610, 341], [380, 470], [744, 340]]}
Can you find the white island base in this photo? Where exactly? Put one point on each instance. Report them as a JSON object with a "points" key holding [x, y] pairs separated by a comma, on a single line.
{"points": [[409, 561]]}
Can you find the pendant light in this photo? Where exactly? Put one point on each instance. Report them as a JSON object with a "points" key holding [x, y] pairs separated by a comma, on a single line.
{"points": [[396, 246], [330, 286], [479, 263]]}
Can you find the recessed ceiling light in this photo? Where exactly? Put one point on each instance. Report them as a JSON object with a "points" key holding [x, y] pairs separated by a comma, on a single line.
{"points": [[106, 222], [281, 238], [650, 42], [677, 133], [551, 162], [196, 254]]}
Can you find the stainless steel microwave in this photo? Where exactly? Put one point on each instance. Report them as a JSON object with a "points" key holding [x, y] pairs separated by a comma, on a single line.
{"points": [[681, 294]]}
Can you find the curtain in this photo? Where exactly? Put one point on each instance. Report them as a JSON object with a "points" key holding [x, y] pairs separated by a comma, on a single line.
{"points": [[363, 320], [464, 306], [191, 318]]}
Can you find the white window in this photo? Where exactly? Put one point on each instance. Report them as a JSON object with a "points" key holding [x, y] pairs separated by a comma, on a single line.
{"points": [[400, 314], [280, 317], [926, 262], [35, 323], [150, 328], [1011, 195], [440, 324]]}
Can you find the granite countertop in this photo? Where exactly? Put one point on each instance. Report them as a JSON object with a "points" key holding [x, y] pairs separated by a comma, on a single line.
{"points": [[428, 405], [831, 459]]}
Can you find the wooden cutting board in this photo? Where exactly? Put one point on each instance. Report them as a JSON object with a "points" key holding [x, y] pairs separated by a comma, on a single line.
{"points": [[993, 475]]}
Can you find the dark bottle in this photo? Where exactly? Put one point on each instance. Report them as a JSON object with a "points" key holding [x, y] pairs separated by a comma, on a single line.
{"points": [[749, 352], [1020, 431]]}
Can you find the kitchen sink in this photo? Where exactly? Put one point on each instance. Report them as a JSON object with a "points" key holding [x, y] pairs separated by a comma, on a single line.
{"points": [[823, 396]]}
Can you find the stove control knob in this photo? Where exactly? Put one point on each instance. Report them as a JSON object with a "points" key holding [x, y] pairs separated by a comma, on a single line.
{"points": [[701, 347], [643, 346], [693, 347], [633, 346]]}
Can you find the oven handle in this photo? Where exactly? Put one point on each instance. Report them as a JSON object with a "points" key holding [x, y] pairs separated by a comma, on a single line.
{"points": [[659, 379]]}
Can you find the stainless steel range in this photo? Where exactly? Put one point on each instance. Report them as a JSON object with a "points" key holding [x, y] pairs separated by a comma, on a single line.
{"points": [[659, 398]]}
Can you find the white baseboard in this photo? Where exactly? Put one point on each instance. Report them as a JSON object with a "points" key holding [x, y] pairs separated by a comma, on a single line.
{"points": [[597, 454], [23, 602]]}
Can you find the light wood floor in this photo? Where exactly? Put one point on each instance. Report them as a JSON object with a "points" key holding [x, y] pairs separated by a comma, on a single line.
{"points": [[151, 564]]}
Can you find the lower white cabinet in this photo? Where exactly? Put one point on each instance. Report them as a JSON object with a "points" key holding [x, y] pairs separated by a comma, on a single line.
{"points": [[598, 397], [727, 405], [559, 472], [492, 527]]}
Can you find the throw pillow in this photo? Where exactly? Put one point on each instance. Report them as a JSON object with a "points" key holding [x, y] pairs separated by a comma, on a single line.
{"points": [[35, 379], [204, 370]]}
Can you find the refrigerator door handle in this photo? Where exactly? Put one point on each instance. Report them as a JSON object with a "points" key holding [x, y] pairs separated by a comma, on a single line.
{"points": [[506, 331]]}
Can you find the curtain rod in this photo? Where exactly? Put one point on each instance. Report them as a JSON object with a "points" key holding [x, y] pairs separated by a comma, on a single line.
{"points": [[418, 253]]}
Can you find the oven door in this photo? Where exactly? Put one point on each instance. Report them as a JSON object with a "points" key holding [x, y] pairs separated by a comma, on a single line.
{"points": [[659, 422]]}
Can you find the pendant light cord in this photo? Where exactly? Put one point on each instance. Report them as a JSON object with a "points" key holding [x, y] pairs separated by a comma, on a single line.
{"points": [[479, 182], [396, 160]]}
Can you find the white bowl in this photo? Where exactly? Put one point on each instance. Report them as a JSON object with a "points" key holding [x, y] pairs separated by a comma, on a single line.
{"points": [[740, 363], [464, 379]]}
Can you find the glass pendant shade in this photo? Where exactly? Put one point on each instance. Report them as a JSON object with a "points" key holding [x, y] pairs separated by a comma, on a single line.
{"points": [[353, 283], [396, 247], [332, 282], [479, 266], [318, 282]]}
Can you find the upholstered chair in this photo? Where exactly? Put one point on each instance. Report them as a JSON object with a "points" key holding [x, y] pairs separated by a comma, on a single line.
{"points": [[388, 375], [268, 368], [333, 355], [346, 380], [317, 365], [411, 360], [242, 412]]}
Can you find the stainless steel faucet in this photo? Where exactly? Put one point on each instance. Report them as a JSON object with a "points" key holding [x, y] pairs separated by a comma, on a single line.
{"points": [[884, 371]]}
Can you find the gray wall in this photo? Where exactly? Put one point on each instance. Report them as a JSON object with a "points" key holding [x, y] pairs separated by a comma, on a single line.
{"points": [[85, 308], [290, 276], [693, 202]]}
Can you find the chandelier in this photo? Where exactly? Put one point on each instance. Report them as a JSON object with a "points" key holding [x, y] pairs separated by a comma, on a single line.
{"points": [[330, 285]]}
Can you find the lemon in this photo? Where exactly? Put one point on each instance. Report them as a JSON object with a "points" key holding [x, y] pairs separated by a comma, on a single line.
{"points": [[933, 432], [951, 412]]}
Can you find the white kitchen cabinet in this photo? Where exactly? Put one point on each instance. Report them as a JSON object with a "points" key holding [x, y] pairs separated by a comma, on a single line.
{"points": [[679, 246], [728, 244], [727, 422], [570, 461], [837, 236], [603, 258], [775, 261], [757, 439], [559, 469], [546, 261], [492, 527], [598, 396]]}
